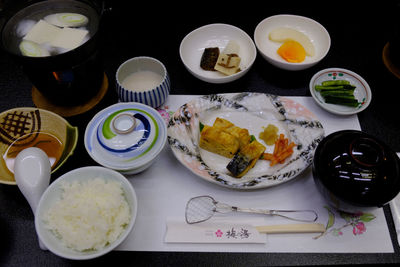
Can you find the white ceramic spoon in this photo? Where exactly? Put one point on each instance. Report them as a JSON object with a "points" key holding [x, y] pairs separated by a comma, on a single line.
{"points": [[32, 173]]}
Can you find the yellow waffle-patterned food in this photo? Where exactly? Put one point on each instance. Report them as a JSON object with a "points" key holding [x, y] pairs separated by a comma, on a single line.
{"points": [[228, 140], [216, 140], [240, 133]]}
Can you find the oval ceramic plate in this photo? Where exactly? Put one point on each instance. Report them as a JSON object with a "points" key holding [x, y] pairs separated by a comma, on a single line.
{"points": [[216, 35], [362, 92], [252, 111]]}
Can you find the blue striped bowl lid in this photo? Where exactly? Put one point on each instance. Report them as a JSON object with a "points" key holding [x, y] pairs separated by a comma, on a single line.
{"points": [[148, 140]]}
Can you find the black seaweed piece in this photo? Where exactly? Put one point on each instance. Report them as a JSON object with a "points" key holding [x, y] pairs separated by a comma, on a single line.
{"points": [[209, 58]]}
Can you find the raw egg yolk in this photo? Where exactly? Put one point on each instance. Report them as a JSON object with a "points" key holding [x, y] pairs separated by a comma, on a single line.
{"points": [[292, 51]]}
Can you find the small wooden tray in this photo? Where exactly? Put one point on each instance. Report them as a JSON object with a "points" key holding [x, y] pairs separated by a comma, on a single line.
{"points": [[388, 63], [41, 101]]}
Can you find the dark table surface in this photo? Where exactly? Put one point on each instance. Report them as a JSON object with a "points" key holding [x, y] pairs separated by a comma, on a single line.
{"points": [[358, 33]]}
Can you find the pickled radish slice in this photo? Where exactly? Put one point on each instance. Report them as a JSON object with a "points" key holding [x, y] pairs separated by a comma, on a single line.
{"points": [[292, 51], [32, 49], [67, 19]]}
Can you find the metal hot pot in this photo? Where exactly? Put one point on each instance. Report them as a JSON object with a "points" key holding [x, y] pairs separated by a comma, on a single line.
{"points": [[67, 79]]}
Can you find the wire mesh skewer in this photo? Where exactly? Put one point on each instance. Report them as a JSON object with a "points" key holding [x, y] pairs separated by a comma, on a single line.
{"points": [[202, 208]]}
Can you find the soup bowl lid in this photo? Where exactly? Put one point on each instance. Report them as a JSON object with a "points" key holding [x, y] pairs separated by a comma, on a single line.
{"points": [[357, 168]]}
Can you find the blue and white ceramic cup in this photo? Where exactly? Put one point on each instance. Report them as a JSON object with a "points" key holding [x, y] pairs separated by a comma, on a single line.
{"points": [[151, 90]]}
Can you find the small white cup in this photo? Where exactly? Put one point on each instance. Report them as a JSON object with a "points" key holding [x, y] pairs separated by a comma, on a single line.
{"points": [[153, 97]]}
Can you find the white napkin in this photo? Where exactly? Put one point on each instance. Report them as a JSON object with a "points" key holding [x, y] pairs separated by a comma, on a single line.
{"points": [[214, 231], [395, 208], [164, 189]]}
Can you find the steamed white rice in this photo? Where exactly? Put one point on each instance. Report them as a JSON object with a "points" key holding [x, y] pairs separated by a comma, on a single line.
{"points": [[90, 215]]}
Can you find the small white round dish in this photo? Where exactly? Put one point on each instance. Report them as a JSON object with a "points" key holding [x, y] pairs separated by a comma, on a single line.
{"points": [[126, 137], [362, 92], [317, 34], [216, 35], [251, 111], [53, 194]]}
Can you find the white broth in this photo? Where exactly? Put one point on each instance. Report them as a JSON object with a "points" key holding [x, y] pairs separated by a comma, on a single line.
{"points": [[142, 81]]}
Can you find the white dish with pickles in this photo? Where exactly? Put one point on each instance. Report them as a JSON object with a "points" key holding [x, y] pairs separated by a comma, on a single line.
{"points": [[340, 91], [252, 113]]}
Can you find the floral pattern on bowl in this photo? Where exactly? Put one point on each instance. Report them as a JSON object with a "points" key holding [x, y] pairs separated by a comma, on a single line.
{"points": [[252, 111]]}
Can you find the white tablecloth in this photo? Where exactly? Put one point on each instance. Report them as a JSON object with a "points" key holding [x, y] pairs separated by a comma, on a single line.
{"points": [[395, 208], [165, 187]]}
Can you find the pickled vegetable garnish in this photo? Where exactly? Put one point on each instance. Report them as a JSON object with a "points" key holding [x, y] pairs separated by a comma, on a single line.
{"points": [[269, 135]]}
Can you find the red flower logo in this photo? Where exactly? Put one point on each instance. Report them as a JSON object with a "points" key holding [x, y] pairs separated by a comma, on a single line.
{"points": [[219, 233]]}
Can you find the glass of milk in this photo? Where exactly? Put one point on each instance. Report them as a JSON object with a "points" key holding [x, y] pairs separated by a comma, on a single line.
{"points": [[144, 80]]}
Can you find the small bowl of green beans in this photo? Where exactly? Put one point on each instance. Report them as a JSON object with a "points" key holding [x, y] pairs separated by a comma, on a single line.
{"points": [[340, 91]]}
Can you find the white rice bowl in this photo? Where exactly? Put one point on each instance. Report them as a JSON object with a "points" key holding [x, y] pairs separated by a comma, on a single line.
{"points": [[86, 213]]}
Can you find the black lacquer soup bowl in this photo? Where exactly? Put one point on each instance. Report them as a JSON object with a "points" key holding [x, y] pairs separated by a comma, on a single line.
{"points": [[355, 170]]}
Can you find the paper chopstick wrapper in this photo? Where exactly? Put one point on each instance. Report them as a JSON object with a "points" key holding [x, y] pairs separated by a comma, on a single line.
{"points": [[212, 232], [232, 232]]}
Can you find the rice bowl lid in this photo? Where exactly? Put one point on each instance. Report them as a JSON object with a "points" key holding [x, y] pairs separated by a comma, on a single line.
{"points": [[125, 136]]}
